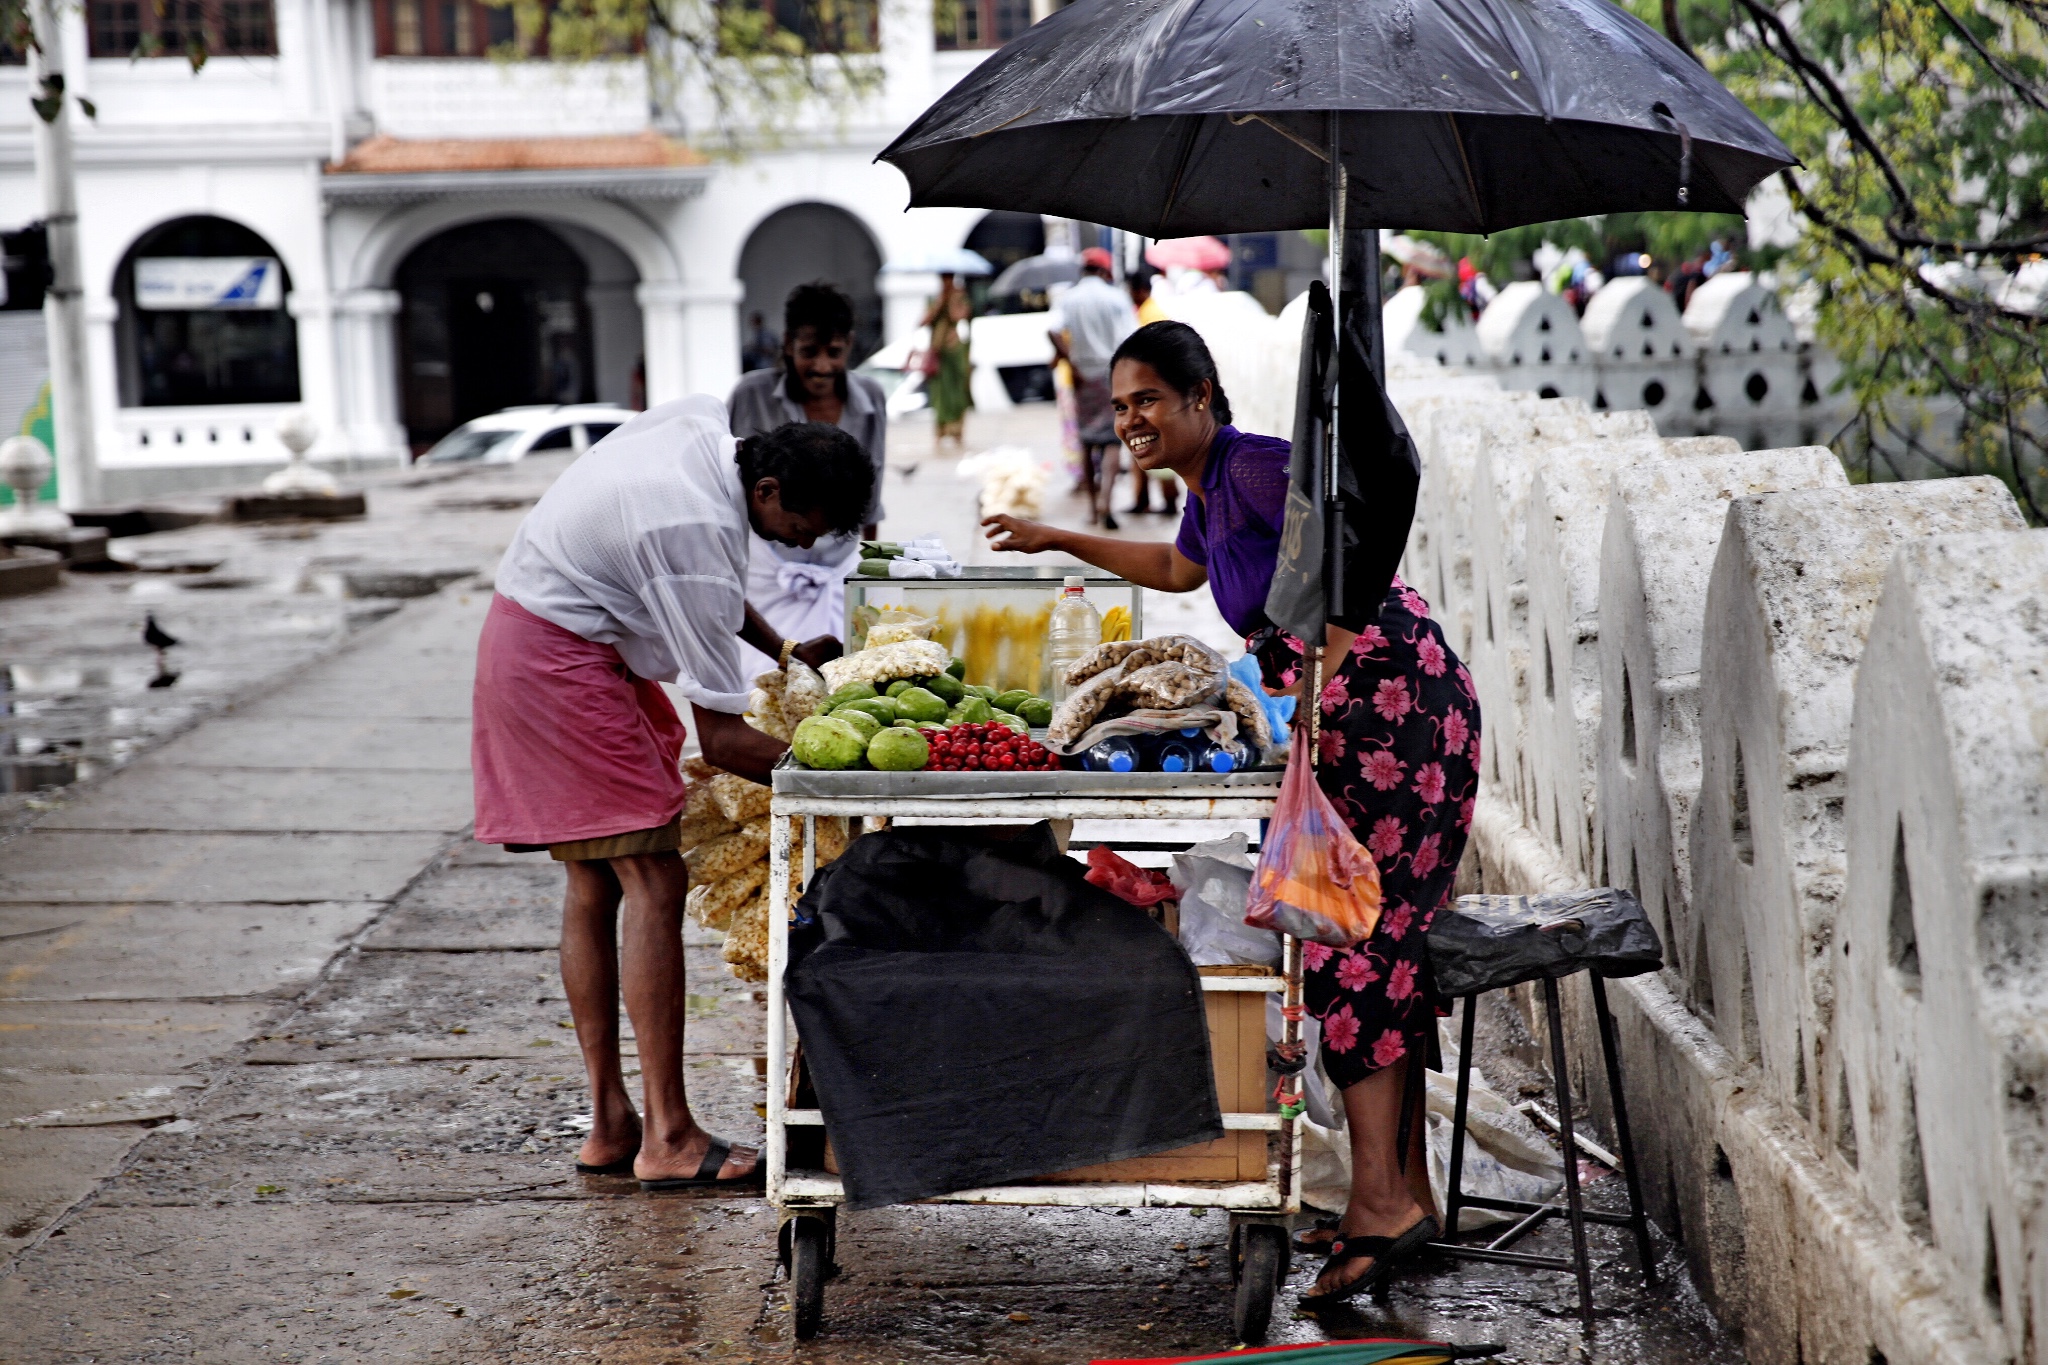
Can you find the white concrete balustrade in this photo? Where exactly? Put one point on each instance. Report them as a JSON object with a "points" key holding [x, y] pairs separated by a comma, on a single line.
{"points": [[1840, 1076]]}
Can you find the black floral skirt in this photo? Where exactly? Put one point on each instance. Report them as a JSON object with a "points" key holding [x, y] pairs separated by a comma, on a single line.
{"points": [[1400, 762]]}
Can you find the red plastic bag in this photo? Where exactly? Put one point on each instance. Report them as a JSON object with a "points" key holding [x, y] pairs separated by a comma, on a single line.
{"points": [[1314, 881], [1143, 887]]}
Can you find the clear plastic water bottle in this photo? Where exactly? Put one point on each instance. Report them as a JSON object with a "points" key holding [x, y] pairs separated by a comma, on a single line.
{"points": [[1117, 754], [1179, 755], [1076, 628]]}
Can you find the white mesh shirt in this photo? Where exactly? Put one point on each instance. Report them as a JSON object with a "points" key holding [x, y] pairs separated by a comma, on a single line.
{"points": [[642, 544]]}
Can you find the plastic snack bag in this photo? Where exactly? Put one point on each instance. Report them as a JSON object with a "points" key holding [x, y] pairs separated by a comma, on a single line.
{"points": [[1314, 881]]}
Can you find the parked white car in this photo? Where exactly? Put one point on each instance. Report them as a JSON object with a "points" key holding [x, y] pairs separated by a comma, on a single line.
{"points": [[509, 436], [1012, 356]]}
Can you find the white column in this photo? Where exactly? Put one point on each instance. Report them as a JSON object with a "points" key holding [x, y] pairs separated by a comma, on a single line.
{"points": [[319, 370], [904, 296], [367, 418], [693, 337]]}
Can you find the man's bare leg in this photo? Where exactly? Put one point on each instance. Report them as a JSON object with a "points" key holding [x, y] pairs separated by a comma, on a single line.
{"points": [[590, 977], [672, 1146]]}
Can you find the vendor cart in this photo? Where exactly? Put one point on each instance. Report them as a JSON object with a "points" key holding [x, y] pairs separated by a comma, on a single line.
{"points": [[1262, 1196]]}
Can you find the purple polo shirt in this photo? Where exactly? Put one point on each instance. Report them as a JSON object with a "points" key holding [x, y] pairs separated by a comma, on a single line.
{"points": [[1233, 528]]}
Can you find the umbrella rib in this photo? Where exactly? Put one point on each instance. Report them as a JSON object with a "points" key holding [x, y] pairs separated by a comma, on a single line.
{"points": [[1180, 170], [1319, 153], [1465, 164]]}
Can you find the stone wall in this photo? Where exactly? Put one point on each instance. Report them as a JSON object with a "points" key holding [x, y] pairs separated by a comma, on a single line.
{"points": [[1808, 724]]}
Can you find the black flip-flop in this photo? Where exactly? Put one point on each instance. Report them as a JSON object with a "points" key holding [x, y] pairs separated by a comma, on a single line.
{"points": [[1308, 1247], [623, 1166], [715, 1157], [1387, 1254]]}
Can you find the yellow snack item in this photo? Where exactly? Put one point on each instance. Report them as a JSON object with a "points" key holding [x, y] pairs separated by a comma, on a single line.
{"points": [[746, 939], [740, 799], [696, 770], [712, 905], [1116, 624], [726, 855], [703, 821]]}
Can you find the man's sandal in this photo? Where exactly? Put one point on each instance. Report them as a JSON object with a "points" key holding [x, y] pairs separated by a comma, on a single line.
{"points": [[715, 1157], [623, 1166], [1309, 1243], [1386, 1254]]}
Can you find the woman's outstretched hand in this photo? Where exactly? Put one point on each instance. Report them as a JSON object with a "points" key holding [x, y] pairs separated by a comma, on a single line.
{"points": [[1006, 532]]}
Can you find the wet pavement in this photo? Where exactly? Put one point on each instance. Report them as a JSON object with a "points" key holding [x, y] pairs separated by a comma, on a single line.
{"points": [[288, 1074]]}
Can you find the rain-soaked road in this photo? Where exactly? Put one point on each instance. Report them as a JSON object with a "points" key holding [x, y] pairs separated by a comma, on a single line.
{"points": [[344, 1099]]}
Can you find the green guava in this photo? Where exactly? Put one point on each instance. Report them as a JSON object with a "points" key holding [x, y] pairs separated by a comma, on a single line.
{"points": [[863, 722], [827, 742], [897, 750], [945, 687], [855, 691], [918, 704]]}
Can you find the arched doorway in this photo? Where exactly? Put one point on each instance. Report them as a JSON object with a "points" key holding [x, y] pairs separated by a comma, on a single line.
{"points": [[1006, 238], [806, 242], [203, 319], [509, 311]]}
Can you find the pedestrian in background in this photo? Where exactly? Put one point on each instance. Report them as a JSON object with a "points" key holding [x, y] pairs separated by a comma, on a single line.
{"points": [[761, 349], [798, 588], [948, 364], [1089, 322]]}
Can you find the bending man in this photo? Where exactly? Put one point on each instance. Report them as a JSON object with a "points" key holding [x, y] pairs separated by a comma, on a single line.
{"points": [[632, 568]]}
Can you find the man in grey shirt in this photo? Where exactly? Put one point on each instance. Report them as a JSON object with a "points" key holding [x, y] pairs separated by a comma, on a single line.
{"points": [[789, 586], [1089, 322]]}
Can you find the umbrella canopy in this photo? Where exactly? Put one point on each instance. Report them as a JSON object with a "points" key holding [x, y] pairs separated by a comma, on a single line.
{"points": [[1189, 253], [958, 261], [1173, 118], [1036, 274]]}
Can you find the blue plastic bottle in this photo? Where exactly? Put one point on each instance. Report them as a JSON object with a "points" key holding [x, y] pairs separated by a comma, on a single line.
{"points": [[1179, 755], [1117, 754]]}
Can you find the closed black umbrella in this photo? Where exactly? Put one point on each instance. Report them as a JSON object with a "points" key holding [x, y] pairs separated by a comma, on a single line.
{"points": [[1173, 118]]}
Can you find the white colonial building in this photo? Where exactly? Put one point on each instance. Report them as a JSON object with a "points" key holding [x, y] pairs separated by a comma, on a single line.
{"points": [[452, 233]]}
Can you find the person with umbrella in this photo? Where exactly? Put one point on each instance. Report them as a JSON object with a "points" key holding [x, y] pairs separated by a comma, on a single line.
{"points": [[1088, 323], [949, 367], [1399, 760]]}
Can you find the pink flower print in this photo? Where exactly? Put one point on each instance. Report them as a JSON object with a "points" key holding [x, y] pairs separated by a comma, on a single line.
{"points": [[1464, 677], [1429, 782], [1465, 814], [1336, 692], [1370, 641], [1386, 1050], [1456, 732], [1316, 956], [1385, 840], [1332, 745], [1430, 652], [1383, 770], [1401, 981], [1355, 973], [1391, 699], [1397, 920], [1340, 1030], [1412, 603], [1428, 854]]}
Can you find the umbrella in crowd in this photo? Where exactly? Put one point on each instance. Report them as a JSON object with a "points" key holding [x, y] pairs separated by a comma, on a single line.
{"points": [[1189, 253], [1037, 274], [958, 261], [1176, 118]]}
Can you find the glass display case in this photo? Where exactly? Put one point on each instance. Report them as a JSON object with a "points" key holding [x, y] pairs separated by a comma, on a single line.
{"points": [[993, 616]]}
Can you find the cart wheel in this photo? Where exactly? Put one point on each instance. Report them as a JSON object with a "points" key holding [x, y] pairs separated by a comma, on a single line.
{"points": [[1259, 1269], [810, 1261]]}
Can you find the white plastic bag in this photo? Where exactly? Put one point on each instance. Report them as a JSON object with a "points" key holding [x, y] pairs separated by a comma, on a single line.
{"points": [[1213, 880]]}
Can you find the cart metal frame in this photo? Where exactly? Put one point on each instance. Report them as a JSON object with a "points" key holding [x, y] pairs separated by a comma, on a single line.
{"points": [[808, 1200]]}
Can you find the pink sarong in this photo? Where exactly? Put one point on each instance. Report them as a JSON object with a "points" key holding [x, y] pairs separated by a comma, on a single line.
{"points": [[567, 743]]}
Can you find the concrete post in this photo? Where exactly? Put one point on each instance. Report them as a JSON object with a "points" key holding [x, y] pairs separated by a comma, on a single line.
{"points": [[693, 337], [904, 295], [64, 304], [369, 423]]}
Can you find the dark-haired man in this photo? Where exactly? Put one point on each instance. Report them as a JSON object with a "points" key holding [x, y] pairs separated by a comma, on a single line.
{"points": [[798, 589], [631, 569]]}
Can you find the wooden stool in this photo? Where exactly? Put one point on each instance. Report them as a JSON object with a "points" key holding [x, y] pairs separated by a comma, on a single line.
{"points": [[1485, 943]]}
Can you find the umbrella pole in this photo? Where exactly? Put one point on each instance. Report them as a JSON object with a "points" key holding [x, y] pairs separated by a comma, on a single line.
{"points": [[1333, 519]]}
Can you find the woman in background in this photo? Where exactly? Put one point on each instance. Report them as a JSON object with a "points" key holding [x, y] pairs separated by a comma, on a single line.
{"points": [[1398, 759], [949, 370]]}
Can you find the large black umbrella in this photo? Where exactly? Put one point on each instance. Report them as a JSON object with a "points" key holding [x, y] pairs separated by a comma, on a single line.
{"points": [[1172, 118]]}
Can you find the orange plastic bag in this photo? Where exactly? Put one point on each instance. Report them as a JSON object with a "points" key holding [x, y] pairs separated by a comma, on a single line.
{"points": [[1314, 881]]}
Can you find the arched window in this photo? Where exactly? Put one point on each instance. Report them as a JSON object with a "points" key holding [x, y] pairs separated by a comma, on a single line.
{"points": [[203, 319], [806, 242]]}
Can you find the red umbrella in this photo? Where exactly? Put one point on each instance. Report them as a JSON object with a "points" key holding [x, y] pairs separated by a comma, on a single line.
{"points": [[1189, 253]]}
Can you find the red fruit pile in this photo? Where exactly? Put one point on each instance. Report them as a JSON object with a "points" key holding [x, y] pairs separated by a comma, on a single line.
{"points": [[989, 748]]}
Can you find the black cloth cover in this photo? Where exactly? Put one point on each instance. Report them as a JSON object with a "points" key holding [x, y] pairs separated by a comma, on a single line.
{"points": [[1482, 943], [974, 1013]]}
